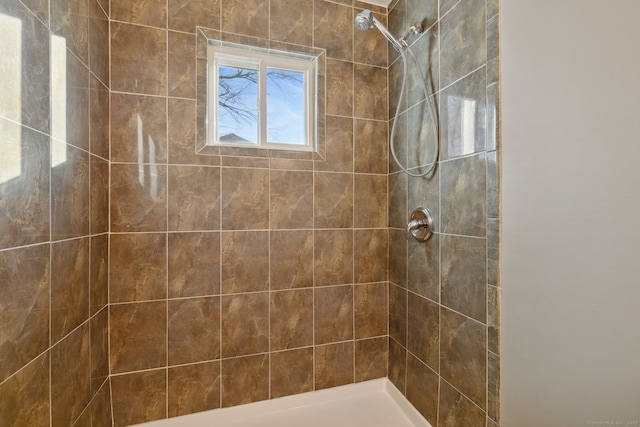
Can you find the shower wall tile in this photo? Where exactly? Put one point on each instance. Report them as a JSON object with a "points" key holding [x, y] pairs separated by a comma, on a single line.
{"points": [[138, 267], [371, 359], [69, 93], [422, 12], [138, 197], [99, 195], [194, 330], [99, 119], [193, 264], [339, 145], [334, 365], [493, 387], [24, 298], [493, 252], [493, 197], [291, 21], [69, 286], [184, 15], [398, 314], [456, 410], [290, 254], [245, 380], [333, 257], [99, 273], [369, 247], [138, 336], [291, 372], [98, 42], [193, 388], [422, 330], [422, 389], [70, 200], [397, 370], [333, 29], [398, 257], [40, 8], [139, 397], [291, 199], [423, 267], [370, 146], [339, 87], [464, 278], [245, 199], [181, 132], [428, 47], [398, 188], [463, 355], [139, 67], [139, 129], [291, 319], [194, 198], [494, 296], [247, 17], [333, 314], [99, 342], [370, 201], [370, 92], [152, 13], [369, 319], [245, 325], [238, 247], [463, 40], [182, 63], [333, 200], [100, 408], [70, 377], [70, 21], [25, 396], [371, 45]]}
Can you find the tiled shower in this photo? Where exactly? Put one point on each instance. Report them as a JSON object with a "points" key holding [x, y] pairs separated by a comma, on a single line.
{"points": [[140, 280]]}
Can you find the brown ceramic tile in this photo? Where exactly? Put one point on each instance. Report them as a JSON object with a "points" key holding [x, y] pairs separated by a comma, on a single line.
{"points": [[84, 420], [398, 196], [424, 267], [194, 388], [334, 365], [370, 248], [371, 46], [40, 8], [370, 97], [25, 396], [245, 261], [182, 134], [457, 410], [99, 119], [339, 88], [464, 277], [70, 377], [138, 336], [422, 389], [248, 17], [291, 372], [99, 195], [138, 267], [398, 257], [70, 21], [99, 350], [194, 198], [291, 199], [333, 200], [371, 310], [145, 12], [182, 64], [291, 21], [493, 386], [333, 311], [463, 355], [333, 29], [245, 380], [493, 196], [333, 257], [99, 273], [139, 67], [69, 192], [194, 330], [397, 370], [98, 41], [493, 252], [338, 145], [101, 407], [65, 97], [24, 217], [245, 199], [139, 397], [24, 300], [494, 297], [370, 201], [370, 146], [184, 15], [398, 314], [291, 259], [245, 324], [138, 198], [69, 286], [291, 319], [194, 264], [422, 330], [138, 129], [371, 359]]}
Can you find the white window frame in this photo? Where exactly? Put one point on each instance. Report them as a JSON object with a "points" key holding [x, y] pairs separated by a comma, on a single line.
{"points": [[260, 61]]}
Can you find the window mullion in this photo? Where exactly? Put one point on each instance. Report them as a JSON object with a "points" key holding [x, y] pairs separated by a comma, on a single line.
{"points": [[262, 111]]}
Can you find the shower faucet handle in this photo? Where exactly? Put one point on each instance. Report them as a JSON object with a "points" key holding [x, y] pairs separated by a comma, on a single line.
{"points": [[420, 225]]}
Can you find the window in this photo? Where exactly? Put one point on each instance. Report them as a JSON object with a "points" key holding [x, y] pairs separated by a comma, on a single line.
{"points": [[262, 99]]}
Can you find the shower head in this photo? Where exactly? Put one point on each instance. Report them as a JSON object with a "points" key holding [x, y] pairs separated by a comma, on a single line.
{"points": [[365, 20]]}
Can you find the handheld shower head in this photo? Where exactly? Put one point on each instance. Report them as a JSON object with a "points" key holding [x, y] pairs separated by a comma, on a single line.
{"points": [[365, 20]]}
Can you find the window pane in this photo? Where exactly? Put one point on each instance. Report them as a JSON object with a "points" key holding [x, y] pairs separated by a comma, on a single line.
{"points": [[285, 107], [237, 105]]}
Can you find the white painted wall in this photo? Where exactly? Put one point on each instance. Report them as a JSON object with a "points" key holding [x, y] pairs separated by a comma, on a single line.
{"points": [[571, 212]]}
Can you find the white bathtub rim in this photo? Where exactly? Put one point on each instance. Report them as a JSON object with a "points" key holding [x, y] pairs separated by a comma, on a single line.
{"points": [[308, 399]]}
